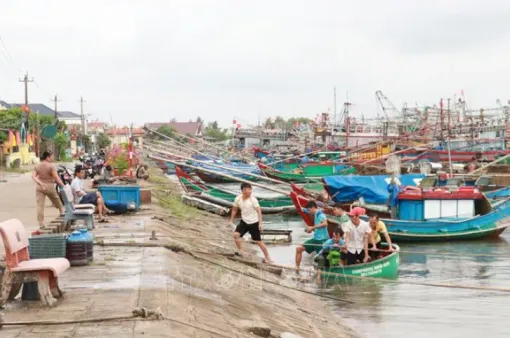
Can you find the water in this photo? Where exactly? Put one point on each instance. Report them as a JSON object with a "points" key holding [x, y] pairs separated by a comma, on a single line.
{"points": [[401, 310]]}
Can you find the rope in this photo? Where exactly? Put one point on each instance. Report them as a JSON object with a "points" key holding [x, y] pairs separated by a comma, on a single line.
{"points": [[441, 285], [453, 254], [268, 281], [137, 314], [286, 267]]}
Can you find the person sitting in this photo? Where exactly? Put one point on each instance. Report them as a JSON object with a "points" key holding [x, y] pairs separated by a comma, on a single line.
{"points": [[319, 229], [143, 172], [394, 189], [357, 234], [378, 227], [332, 249], [82, 197], [340, 215]]}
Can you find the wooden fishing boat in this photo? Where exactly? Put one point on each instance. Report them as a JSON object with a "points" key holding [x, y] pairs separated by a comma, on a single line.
{"points": [[384, 267], [441, 215], [226, 198], [307, 172], [242, 170]]}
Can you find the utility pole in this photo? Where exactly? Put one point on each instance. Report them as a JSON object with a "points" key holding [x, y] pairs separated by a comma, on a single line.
{"points": [[83, 118], [26, 80], [55, 102]]}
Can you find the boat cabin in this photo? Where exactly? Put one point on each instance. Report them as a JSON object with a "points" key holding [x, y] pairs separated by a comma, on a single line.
{"points": [[440, 203]]}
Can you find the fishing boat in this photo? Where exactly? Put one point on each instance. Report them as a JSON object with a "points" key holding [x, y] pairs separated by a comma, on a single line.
{"points": [[208, 177], [226, 198], [386, 266], [307, 172], [438, 214]]}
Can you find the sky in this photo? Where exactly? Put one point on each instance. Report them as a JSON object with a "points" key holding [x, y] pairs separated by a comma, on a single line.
{"points": [[152, 61]]}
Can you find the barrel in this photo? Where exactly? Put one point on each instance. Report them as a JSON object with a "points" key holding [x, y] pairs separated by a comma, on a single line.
{"points": [[90, 243], [76, 249]]}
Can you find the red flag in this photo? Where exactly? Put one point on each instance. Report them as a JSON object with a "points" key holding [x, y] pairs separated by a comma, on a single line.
{"points": [[234, 122], [462, 92]]}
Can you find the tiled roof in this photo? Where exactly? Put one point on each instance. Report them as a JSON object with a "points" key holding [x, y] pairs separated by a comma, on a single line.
{"points": [[41, 108], [124, 131], [192, 128], [68, 114]]}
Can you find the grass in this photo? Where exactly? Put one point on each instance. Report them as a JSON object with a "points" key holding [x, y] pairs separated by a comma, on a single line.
{"points": [[175, 205]]}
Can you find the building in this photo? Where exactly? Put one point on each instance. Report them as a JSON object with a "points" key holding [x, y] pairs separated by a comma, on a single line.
{"points": [[184, 128], [96, 127], [121, 135], [69, 118]]}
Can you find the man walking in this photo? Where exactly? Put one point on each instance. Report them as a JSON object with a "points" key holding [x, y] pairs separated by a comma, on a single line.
{"points": [[251, 220]]}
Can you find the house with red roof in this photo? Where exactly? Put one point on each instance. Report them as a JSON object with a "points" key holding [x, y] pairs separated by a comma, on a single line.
{"points": [[121, 135], [185, 128]]}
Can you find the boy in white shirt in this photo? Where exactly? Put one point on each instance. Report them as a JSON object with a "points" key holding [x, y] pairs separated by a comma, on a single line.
{"points": [[357, 235], [251, 220]]}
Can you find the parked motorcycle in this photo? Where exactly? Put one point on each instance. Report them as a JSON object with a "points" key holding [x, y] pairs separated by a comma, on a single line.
{"points": [[66, 176]]}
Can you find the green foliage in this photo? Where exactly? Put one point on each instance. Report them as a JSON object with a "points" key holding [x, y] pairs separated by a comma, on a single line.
{"points": [[103, 141], [280, 123], [87, 143], [61, 144], [167, 131], [213, 130], [11, 119]]}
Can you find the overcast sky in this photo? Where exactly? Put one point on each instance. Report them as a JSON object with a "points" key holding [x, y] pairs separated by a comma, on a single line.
{"points": [[150, 61]]}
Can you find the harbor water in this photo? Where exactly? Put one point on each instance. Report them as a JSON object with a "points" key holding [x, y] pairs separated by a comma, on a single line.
{"points": [[383, 309]]}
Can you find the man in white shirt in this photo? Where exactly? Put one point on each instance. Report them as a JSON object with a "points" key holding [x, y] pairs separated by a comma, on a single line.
{"points": [[357, 235], [251, 220], [82, 197]]}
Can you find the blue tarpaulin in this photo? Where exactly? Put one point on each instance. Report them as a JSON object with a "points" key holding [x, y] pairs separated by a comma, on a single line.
{"points": [[373, 189]]}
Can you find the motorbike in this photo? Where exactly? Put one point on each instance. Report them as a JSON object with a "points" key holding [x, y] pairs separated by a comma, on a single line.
{"points": [[66, 176]]}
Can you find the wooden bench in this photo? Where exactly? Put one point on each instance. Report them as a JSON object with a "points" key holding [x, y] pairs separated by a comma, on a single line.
{"points": [[74, 212], [20, 268]]}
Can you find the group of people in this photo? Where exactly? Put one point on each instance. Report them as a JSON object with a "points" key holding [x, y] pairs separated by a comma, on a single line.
{"points": [[350, 241], [45, 176], [353, 241]]}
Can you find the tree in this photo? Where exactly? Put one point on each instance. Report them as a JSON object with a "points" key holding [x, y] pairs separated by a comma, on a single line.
{"points": [[61, 144], [199, 120], [103, 141], [213, 130], [87, 143], [167, 131], [279, 122], [268, 123]]}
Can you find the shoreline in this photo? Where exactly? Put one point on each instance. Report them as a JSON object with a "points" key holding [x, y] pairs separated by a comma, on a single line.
{"points": [[202, 294]]}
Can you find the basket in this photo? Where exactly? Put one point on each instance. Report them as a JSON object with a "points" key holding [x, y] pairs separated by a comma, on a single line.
{"points": [[47, 246]]}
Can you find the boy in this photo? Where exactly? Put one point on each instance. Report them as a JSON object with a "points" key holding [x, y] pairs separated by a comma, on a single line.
{"points": [[378, 227], [251, 220], [319, 229], [334, 245], [357, 234], [82, 197]]}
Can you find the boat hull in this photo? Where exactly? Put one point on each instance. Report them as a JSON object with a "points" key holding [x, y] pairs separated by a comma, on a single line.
{"points": [[386, 267]]}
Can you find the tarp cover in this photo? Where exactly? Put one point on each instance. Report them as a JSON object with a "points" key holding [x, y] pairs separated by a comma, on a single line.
{"points": [[373, 189]]}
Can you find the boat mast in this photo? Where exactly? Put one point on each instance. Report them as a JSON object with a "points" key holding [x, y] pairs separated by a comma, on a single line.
{"points": [[448, 135]]}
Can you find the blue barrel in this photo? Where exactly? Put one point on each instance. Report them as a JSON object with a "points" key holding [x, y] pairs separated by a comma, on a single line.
{"points": [[76, 249], [90, 243]]}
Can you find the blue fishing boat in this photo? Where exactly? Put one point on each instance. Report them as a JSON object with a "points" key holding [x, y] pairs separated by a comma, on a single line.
{"points": [[438, 214]]}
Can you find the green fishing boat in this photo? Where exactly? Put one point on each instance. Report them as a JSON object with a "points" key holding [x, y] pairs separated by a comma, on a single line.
{"points": [[226, 198], [385, 267], [308, 173]]}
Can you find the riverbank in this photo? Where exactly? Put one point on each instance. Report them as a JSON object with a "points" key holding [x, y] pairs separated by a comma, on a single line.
{"points": [[202, 293]]}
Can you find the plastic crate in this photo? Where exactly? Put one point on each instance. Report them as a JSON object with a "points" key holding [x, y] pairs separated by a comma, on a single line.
{"points": [[47, 246], [122, 193]]}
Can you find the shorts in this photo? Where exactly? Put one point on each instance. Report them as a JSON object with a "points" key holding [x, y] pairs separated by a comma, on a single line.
{"points": [[313, 244], [89, 198], [353, 257], [253, 229]]}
